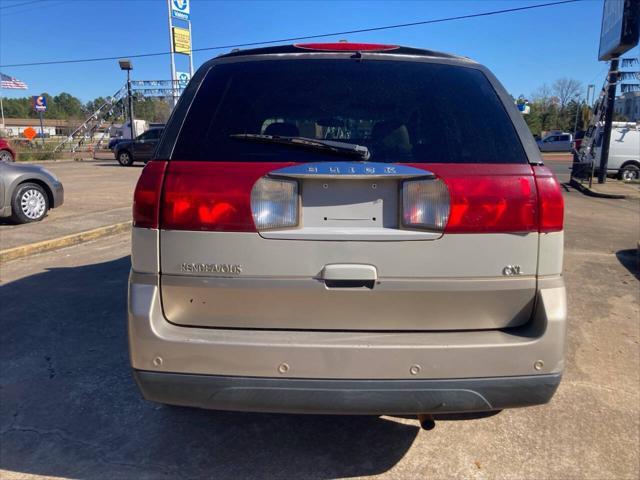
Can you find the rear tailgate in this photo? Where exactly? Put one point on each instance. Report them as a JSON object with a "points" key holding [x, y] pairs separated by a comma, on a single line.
{"points": [[350, 265], [348, 254]]}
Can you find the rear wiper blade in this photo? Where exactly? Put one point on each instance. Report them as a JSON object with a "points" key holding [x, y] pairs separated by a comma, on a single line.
{"points": [[331, 146]]}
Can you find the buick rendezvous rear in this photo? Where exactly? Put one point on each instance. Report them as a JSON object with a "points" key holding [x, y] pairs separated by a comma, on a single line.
{"points": [[347, 228]]}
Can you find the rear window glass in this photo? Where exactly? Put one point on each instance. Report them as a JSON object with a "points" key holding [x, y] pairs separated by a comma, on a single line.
{"points": [[402, 111]]}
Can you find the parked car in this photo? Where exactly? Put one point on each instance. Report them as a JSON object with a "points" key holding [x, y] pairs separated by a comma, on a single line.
{"points": [[329, 228], [113, 142], [624, 151], [28, 192], [556, 143], [7, 154], [140, 149]]}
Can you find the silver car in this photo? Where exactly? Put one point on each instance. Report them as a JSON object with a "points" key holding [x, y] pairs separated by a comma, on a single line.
{"points": [[556, 142], [329, 228], [28, 192]]}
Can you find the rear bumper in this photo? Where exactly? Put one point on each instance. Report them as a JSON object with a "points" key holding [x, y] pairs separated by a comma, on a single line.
{"points": [[350, 397], [346, 372]]}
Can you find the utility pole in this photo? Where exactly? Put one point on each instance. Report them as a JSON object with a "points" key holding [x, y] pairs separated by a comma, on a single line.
{"points": [[608, 119]]}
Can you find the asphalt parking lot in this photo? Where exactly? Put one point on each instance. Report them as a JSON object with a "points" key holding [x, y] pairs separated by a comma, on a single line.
{"points": [[97, 193], [69, 407]]}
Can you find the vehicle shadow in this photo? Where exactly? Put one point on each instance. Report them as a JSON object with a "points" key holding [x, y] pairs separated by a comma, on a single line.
{"points": [[630, 259], [69, 406]]}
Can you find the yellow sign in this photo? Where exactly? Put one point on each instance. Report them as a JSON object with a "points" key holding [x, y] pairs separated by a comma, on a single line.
{"points": [[181, 40]]}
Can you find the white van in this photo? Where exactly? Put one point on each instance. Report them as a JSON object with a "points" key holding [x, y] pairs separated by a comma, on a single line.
{"points": [[624, 151]]}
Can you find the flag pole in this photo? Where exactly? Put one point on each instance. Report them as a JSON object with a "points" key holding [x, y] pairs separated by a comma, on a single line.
{"points": [[1, 108]]}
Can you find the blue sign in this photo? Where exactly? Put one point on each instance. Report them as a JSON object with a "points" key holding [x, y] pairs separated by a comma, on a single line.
{"points": [[40, 103], [181, 9], [183, 79], [351, 169]]}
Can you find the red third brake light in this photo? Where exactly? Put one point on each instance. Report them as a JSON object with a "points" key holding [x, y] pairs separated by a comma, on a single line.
{"points": [[146, 198], [347, 47], [550, 201]]}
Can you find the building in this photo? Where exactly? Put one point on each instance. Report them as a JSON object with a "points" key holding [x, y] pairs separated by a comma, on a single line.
{"points": [[628, 105], [13, 127]]}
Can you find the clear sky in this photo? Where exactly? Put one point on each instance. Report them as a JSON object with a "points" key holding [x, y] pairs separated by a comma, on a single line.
{"points": [[524, 49]]}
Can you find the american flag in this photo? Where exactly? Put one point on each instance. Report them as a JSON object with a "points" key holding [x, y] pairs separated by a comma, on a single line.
{"points": [[10, 82]]}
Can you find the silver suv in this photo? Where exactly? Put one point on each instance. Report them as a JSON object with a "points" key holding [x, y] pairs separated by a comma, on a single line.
{"points": [[347, 228]]}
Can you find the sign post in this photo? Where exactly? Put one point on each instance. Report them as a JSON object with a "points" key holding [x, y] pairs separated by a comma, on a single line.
{"points": [[619, 33], [180, 40], [40, 106]]}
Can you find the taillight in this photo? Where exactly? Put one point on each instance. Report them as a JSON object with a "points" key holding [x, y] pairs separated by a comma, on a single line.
{"points": [[490, 204], [550, 201], [274, 203], [146, 197], [212, 196], [489, 198], [425, 204]]}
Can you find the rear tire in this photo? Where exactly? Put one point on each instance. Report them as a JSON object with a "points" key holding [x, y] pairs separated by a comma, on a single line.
{"points": [[125, 159], [5, 155], [629, 172], [29, 203]]}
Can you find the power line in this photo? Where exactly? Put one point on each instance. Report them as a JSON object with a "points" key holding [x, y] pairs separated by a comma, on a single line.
{"points": [[306, 37], [21, 4], [21, 11]]}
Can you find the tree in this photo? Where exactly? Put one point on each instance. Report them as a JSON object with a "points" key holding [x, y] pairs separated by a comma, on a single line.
{"points": [[542, 96], [152, 109], [68, 106], [566, 89], [554, 107]]}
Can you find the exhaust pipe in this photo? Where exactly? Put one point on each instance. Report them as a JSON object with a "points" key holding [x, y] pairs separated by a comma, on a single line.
{"points": [[426, 421]]}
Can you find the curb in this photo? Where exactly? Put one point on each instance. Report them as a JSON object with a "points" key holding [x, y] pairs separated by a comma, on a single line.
{"points": [[61, 242], [587, 191]]}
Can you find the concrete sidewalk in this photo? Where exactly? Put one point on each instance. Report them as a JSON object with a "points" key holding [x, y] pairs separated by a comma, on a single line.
{"points": [[98, 196]]}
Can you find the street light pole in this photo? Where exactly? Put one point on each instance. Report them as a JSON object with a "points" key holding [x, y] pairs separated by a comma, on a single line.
{"points": [[590, 88], [578, 108], [125, 64], [130, 100]]}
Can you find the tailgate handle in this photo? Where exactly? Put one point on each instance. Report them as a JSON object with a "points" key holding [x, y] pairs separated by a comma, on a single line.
{"points": [[349, 275]]}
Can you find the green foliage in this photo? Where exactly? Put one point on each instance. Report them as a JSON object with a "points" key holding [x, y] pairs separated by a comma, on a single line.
{"points": [[63, 106], [555, 107], [151, 109], [36, 152], [67, 107]]}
